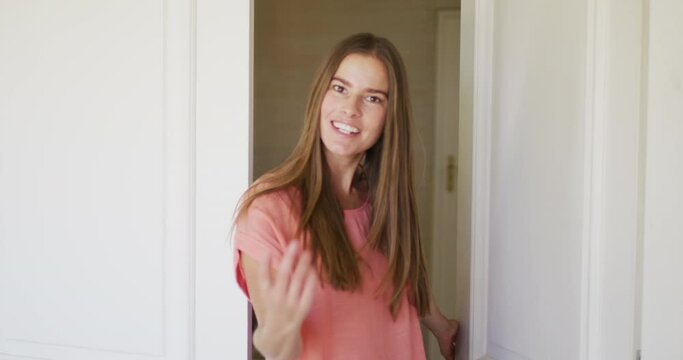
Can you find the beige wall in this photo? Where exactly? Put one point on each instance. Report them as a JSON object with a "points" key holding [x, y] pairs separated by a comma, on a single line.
{"points": [[292, 37]]}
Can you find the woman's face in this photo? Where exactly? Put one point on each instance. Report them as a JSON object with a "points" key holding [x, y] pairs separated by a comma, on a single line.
{"points": [[354, 108]]}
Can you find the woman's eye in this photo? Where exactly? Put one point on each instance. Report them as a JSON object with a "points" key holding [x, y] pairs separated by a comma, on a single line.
{"points": [[375, 99], [337, 88]]}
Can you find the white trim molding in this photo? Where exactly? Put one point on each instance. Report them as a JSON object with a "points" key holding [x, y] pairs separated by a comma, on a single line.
{"points": [[593, 186], [482, 93], [611, 179]]}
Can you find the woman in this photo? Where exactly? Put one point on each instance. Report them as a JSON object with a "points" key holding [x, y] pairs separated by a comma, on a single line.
{"points": [[327, 244]]}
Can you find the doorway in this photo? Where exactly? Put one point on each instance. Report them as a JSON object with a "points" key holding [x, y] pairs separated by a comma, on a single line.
{"points": [[290, 39]]}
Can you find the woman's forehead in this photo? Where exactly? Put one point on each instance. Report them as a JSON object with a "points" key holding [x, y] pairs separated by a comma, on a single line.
{"points": [[363, 71]]}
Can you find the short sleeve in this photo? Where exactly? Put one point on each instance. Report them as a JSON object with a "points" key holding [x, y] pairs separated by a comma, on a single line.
{"points": [[264, 230]]}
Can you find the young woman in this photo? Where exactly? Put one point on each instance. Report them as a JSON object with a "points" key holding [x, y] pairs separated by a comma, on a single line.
{"points": [[327, 244]]}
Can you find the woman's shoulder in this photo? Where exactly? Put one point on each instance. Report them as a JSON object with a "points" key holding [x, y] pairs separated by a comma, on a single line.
{"points": [[272, 209], [283, 200]]}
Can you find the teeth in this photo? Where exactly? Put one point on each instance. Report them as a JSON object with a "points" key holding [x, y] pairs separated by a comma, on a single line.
{"points": [[344, 128]]}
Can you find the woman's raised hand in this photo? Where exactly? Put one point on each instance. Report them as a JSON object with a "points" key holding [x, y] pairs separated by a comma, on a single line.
{"points": [[286, 298]]}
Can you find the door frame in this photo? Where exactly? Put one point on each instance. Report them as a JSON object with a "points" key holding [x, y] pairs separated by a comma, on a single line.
{"points": [[476, 62], [221, 107]]}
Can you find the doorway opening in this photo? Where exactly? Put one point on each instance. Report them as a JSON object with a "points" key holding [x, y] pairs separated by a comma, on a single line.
{"points": [[289, 41]]}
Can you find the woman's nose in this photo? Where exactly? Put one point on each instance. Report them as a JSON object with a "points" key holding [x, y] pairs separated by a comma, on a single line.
{"points": [[351, 106]]}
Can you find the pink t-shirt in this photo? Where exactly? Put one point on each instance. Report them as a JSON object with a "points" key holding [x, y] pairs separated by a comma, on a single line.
{"points": [[341, 325]]}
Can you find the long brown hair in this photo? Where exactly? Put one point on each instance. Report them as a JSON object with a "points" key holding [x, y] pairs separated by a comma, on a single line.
{"points": [[388, 167]]}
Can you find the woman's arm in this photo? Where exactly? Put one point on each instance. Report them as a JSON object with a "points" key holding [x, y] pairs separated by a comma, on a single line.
{"points": [[444, 330], [281, 299]]}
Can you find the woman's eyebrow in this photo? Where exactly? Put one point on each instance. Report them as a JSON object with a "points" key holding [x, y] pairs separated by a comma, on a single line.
{"points": [[376, 91]]}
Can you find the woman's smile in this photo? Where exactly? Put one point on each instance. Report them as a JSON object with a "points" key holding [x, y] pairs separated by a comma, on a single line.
{"points": [[344, 128]]}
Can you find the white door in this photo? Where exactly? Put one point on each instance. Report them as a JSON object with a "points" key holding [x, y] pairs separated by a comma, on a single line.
{"points": [[555, 125], [537, 172], [124, 134]]}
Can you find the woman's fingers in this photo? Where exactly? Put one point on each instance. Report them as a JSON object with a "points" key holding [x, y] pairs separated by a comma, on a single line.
{"points": [[306, 301], [296, 283], [284, 271], [287, 292], [289, 288]]}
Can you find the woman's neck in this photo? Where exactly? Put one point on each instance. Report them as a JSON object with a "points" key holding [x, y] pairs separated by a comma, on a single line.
{"points": [[343, 174]]}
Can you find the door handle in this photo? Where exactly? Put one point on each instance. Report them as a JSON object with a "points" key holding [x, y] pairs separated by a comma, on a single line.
{"points": [[451, 170]]}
